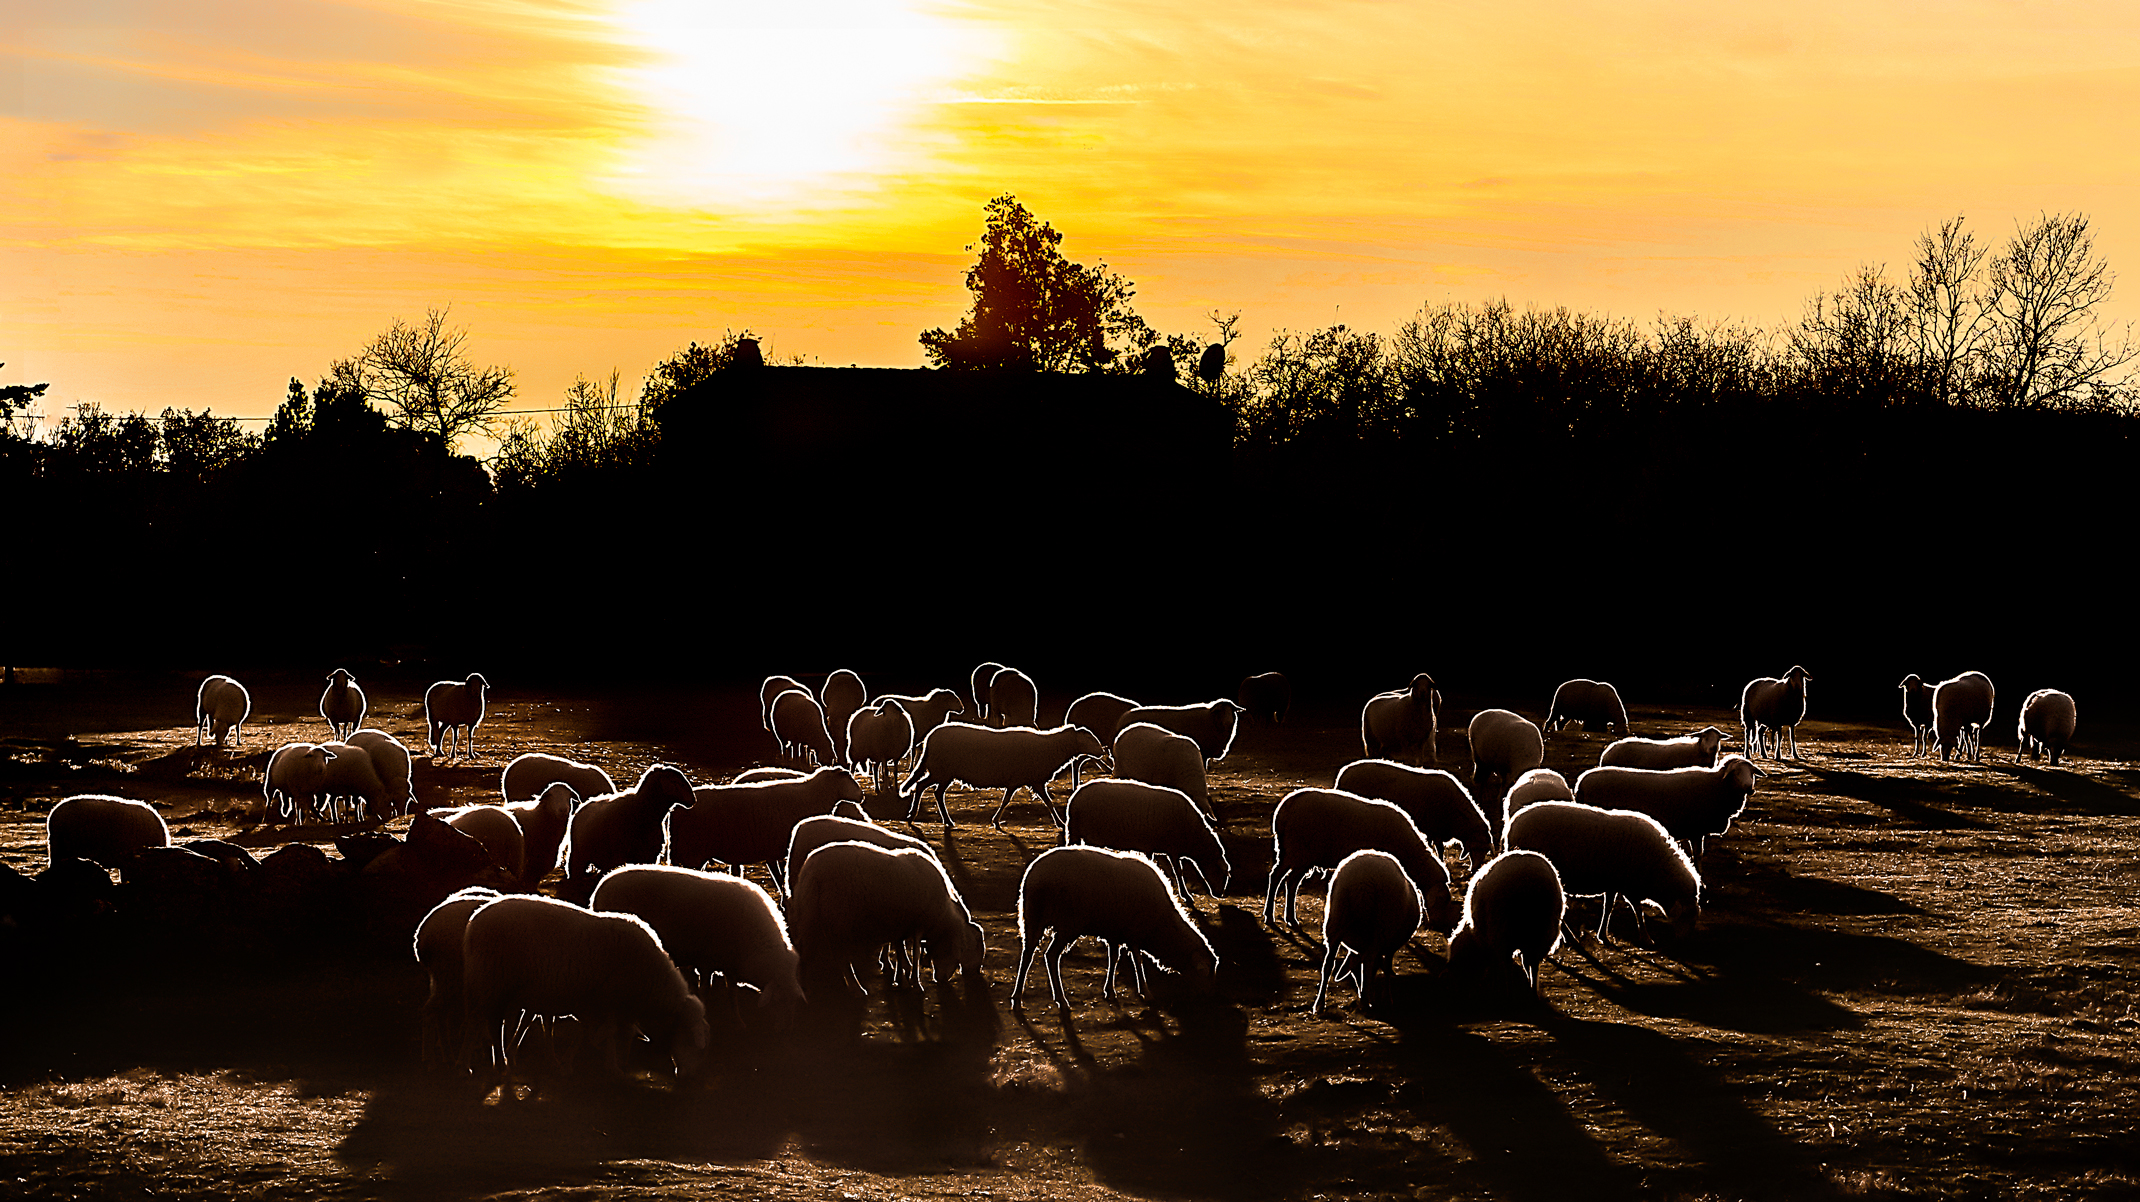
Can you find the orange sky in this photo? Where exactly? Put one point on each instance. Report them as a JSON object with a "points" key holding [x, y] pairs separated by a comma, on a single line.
{"points": [[202, 198]]}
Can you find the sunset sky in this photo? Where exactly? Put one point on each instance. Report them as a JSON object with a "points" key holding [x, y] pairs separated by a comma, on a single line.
{"points": [[203, 198]]}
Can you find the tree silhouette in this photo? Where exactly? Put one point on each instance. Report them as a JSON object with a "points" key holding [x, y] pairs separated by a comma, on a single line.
{"points": [[1032, 308], [420, 372]]}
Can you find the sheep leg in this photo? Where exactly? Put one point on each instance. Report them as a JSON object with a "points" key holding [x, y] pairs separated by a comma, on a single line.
{"points": [[1181, 889], [1055, 971], [1136, 967], [996, 819], [1054, 815], [1322, 984], [943, 811], [1292, 898], [1270, 892], [1026, 950], [1113, 951]]}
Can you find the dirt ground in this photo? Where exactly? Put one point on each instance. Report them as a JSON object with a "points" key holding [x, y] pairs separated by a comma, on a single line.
{"points": [[1911, 979]]}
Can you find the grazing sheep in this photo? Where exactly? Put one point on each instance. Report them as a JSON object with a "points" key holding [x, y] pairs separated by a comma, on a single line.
{"points": [[1539, 784], [2047, 720], [977, 688], [438, 950], [1266, 697], [1512, 912], [107, 831], [773, 687], [1158, 756], [497, 830], [1917, 711], [1211, 724], [1373, 910], [1439, 803], [390, 760], [843, 695], [350, 775], [1400, 725], [1594, 703], [543, 823], [625, 827], [927, 712], [1100, 713], [1504, 746], [297, 775], [550, 958], [1130, 815], [1314, 829], [529, 775], [1614, 854], [752, 824], [1013, 699], [1698, 750], [1772, 706], [1008, 758], [852, 899], [451, 708], [1961, 710], [799, 727], [343, 704], [220, 707], [819, 829], [1692, 803], [878, 737], [712, 923], [1117, 897]]}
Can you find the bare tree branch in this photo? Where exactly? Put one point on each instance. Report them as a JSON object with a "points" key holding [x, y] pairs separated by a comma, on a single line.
{"points": [[421, 373]]}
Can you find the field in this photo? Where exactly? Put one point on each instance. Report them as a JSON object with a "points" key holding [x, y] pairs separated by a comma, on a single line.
{"points": [[1912, 979]]}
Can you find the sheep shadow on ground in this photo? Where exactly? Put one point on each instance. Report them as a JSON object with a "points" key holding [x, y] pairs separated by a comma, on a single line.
{"points": [[1905, 796], [2085, 795]]}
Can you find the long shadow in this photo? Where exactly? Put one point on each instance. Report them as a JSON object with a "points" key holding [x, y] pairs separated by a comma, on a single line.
{"points": [[1250, 972], [2088, 796], [1779, 890], [1907, 796]]}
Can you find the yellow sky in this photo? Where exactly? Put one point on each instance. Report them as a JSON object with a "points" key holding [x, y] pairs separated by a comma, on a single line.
{"points": [[201, 198]]}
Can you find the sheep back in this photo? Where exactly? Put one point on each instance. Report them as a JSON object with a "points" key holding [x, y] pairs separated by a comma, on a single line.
{"points": [[390, 759], [1539, 784], [221, 705], [820, 829], [1158, 756], [107, 831], [852, 898], [1504, 746], [1068, 893], [1611, 852], [2047, 721], [1594, 703], [1315, 829], [498, 831], [1512, 911], [1438, 802], [799, 723], [1373, 909], [1698, 750], [1692, 803], [623, 828], [528, 775], [1131, 815], [1961, 709], [1266, 697], [1100, 713], [1013, 699], [1210, 725], [752, 824], [1401, 725], [711, 922]]}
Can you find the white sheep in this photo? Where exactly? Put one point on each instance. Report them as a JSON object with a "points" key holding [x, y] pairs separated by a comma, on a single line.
{"points": [[852, 899], [712, 923], [343, 704], [1130, 815], [297, 776], [1917, 712], [543, 823], [1400, 724], [528, 775], [497, 830], [1438, 802], [977, 688], [626, 827], [1013, 699], [351, 775], [390, 760], [752, 776], [1961, 710], [2047, 721], [1117, 897], [752, 824], [773, 687], [1100, 713], [843, 695], [1612, 854], [107, 831], [1158, 756], [1512, 912], [1539, 784], [1692, 803], [1313, 830], [1504, 746], [878, 737], [1373, 909], [452, 711], [1773, 706], [1211, 724], [221, 706], [985, 757], [799, 727], [438, 950], [1594, 703], [1266, 697], [1698, 750], [928, 712], [820, 829], [551, 958]]}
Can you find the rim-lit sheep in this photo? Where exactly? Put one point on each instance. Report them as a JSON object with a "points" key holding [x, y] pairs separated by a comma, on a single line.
{"points": [[1008, 758], [977, 688], [712, 923], [2047, 721], [343, 704], [878, 737], [221, 706], [820, 829], [752, 824], [844, 694], [1698, 750], [296, 776], [1504, 746], [1313, 830], [853, 899], [1400, 724], [543, 823], [1266, 697], [1013, 699], [1539, 784], [1438, 802], [1917, 712], [390, 760], [1117, 897], [928, 712], [1961, 710], [1130, 815], [1158, 756], [497, 830], [1612, 854], [1692, 803], [438, 949], [106, 831], [799, 727], [773, 687], [1211, 724], [1771, 707], [528, 775], [1100, 713], [625, 827], [752, 776], [551, 958], [452, 711], [1594, 703], [1373, 910], [351, 777], [1512, 912]]}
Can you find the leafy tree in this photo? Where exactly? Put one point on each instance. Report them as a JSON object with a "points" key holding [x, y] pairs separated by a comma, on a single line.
{"points": [[1033, 308], [14, 396], [421, 373]]}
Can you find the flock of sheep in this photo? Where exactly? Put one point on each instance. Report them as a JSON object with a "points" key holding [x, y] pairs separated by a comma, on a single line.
{"points": [[639, 929]]}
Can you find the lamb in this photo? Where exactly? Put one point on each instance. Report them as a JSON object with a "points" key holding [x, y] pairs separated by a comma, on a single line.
{"points": [[1513, 911], [107, 831], [1539, 784], [1100, 713], [297, 775], [543, 823], [1961, 709], [1373, 910], [625, 827], [1400, 725], [1160, 757], [350, 774], [1614, 854], [1266, 697], [551, 958], [1594, 703], [752, 824], [1013, 699], [1211, 724], [390, 760], [2047, 720], [799, 726], [878, 737], [977, 688], [820, 829], [1504, 746], [1773, 706], [1129, 815], [343, 704], [529, 775], [1314, 829], [1438, 802], [1118, 897], [843, 695], [497, 830], [852, 899], [773, 687], [1917, 711], [438, 950], [221, 706], [984, 757], [1692, 803], [1698, 750], [712, 923], [927, 712], [452, 706]]}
